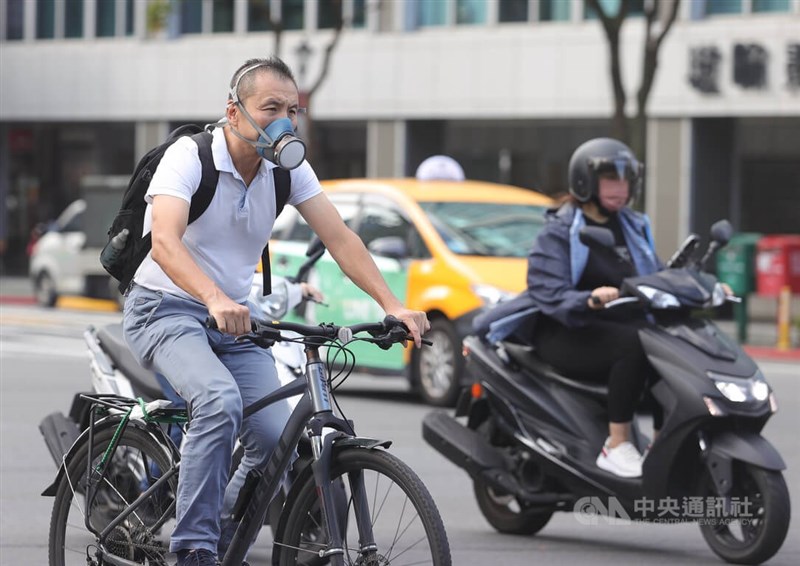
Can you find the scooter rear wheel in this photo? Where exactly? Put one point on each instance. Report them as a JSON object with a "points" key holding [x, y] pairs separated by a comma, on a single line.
{"points": [[760, 528], [506, 514]]}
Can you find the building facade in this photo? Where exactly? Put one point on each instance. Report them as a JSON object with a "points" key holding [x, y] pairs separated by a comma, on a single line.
{"points": [[508, 87]]}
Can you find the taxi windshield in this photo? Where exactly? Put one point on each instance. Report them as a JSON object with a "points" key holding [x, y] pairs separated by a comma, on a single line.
{"points": [[486, 229]]}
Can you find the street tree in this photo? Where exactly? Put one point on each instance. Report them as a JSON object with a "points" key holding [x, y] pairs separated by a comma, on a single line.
{"points": [[659, 17]]}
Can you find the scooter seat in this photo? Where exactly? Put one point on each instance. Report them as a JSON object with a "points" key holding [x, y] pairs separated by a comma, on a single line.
{"points": [[525, 355], [143, 381]]}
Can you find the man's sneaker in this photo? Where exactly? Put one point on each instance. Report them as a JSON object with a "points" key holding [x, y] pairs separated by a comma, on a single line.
{"points": [[623, 460], [197, 557]]}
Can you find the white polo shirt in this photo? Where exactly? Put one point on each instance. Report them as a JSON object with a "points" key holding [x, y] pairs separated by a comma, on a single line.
{"points": [[227, 240]]}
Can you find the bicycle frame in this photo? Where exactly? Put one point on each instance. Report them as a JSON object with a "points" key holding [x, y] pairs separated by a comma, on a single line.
{"points": [[313, 413]]}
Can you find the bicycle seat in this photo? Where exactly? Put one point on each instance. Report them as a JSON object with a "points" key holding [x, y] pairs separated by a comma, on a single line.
{"points": [[526, 357], [143, 381]]}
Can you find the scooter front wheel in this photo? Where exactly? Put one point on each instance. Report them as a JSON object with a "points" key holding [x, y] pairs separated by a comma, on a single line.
{"points": [[506, 514], [755, 524]]}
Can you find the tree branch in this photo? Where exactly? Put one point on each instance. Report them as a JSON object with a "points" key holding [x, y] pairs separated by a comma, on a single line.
{"points": [[326, 60]]}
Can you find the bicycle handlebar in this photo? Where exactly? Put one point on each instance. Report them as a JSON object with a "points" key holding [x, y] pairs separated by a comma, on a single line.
{"points": [[385, 333]]}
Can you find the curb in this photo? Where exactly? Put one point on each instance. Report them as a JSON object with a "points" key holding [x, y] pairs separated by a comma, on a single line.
{"points": [[773, 354], [65, 302]]}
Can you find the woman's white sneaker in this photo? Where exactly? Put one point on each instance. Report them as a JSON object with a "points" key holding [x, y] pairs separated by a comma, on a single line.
{"points": [[623, 460]]}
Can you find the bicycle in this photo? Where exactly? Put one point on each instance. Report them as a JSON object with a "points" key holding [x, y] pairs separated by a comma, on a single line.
{"points": [[350, 501]]}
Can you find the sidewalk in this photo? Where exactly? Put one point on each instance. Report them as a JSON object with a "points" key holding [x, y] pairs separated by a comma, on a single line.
{"points": [[762, 331]]}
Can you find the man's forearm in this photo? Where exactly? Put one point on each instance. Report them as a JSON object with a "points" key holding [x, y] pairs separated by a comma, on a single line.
{"points": [[176, 261]]}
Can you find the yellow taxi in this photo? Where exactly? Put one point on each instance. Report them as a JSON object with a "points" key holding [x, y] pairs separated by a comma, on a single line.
{"points": [[449, 248]]}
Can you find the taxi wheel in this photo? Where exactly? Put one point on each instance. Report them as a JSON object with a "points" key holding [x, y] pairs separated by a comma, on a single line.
{"points": [[436, 369]]}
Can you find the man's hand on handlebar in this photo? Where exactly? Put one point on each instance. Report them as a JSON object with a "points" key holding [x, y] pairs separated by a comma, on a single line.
{"points": [[231, 318], [416, 322]]}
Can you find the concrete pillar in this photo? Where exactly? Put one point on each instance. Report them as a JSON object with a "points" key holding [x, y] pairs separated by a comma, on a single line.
{"points": [[386, 148], [148, 136], [669, 181]]}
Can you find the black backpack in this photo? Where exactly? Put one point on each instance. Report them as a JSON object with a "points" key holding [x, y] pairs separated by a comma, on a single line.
{"points": [[122, 256]]}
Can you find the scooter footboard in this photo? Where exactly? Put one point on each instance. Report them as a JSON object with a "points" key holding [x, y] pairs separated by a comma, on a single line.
{"points": [[459, 444], [60, 432]]}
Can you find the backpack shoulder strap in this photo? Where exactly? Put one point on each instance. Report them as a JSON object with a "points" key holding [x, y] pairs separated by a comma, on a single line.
{"points": [[208, 181], [283, 187]]}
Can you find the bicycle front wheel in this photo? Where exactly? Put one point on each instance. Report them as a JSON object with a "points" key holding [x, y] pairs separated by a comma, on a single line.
{"points": [[406, 524], [143, 536]]}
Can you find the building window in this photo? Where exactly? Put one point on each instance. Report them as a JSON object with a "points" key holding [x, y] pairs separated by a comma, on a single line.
{"points": [[45, 19], [431, 12], [470, 11], [292, 14], [73, 18], [723, 7], [258, 15], [15, 18], [513, 11], [129, 17], [326, 12], [771, 5], [223, 16], [554, 11], [105, 16], [610, 7], [191, 14]]}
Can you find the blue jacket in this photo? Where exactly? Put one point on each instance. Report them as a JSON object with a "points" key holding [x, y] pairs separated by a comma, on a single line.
{"points": [[556, 264]]}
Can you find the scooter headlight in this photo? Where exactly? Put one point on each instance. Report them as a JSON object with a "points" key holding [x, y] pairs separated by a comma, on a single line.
{"points": [[659, 299], [741, 389], [275, 305]]}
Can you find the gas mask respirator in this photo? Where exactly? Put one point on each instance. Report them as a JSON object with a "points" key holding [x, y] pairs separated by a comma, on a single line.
{"points": [[277, 142]]}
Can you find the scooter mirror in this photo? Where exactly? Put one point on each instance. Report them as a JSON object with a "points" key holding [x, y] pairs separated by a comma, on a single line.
{"points": [[314, 247], [597, 238], [721, 232]]}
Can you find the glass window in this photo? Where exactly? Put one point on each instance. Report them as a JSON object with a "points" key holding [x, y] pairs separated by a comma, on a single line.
{"points": [[129, 17], [382, 220], [723, 6], [486, 229], [191, 17], [15, 18], [223, 16], [470, 11], [431, 12], [359, 13], [45, 19], [771, 5], [513, 11], [104, 21], [73, 18], [554, 11], [326, 13], [292, 14], [258, 15], [611, 7]]}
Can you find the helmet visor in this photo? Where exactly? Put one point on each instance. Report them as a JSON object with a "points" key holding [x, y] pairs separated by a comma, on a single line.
{"points": [[623, 167]]}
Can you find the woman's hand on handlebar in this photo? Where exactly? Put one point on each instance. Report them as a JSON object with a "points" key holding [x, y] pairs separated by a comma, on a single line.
{"points": [[601, 296], [416, 322], [311, 293]]}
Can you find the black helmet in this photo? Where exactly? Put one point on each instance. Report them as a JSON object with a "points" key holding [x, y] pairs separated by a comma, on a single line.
{"points": [[602, 155]]}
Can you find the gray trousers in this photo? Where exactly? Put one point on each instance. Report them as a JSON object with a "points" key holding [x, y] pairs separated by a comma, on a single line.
{"points": [[218, 377]]}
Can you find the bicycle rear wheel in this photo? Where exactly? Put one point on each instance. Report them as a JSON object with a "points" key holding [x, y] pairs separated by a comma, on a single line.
{"points": [[405, 521], [143, 537]]}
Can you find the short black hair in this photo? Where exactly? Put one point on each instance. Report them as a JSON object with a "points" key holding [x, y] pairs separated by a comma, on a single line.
{"points": [[273, 64]]}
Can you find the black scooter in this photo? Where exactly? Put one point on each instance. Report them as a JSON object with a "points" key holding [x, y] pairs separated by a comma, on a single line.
{"points": [[532, 435]]}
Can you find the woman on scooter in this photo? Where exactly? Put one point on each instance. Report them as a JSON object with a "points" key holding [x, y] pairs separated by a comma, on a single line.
{"points": [[571, 285]]}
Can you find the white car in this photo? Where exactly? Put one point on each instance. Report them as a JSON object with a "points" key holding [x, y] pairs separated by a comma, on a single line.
{"points": [[61, 264]]}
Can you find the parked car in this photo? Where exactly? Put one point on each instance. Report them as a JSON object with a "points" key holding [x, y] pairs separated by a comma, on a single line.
{"points": [[62, 264], [449, 248]]}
